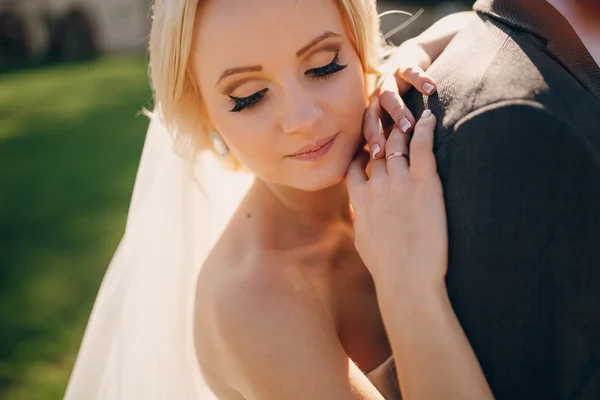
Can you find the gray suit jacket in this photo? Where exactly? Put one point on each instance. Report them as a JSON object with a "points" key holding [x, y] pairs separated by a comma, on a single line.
{"points": [[518, 150]]}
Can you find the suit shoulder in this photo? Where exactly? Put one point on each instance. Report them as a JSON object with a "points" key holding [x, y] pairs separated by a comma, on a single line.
{"points": [[487, 62]]}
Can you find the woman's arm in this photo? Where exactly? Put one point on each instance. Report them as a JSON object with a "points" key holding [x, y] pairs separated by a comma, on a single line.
{"points": [[434, 40], [401, 235], [434, 359]]}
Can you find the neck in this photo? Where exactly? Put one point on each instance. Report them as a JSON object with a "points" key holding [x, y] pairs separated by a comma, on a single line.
{"points": [[330, 205], [583, 15]]}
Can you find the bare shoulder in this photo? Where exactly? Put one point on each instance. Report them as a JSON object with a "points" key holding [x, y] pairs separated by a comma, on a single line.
{"points": [[261, 333], [234, 291], [220, 285]]}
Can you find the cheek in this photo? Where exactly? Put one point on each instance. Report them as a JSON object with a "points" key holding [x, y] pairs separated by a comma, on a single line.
{"points": [[252, 141], [248, 138], [245, 133], [352, 101]]}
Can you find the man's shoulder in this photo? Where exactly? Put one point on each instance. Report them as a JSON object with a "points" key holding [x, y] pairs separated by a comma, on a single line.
{"points": [[489, 62], [486, 62]]}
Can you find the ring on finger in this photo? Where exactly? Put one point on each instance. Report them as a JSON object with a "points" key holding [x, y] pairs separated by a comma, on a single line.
{"points": [[397, 154]]}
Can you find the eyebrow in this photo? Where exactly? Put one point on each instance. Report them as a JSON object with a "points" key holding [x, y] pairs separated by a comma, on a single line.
{"points": [[315, 41], [239, 70], [299, 53]]}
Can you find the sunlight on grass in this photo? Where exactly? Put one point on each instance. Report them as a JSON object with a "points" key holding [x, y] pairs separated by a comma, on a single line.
{"points": [[65, 93], [70, 141]]}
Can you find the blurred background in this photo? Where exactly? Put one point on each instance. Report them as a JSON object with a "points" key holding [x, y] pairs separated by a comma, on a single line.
{"points": [[73, 79]]}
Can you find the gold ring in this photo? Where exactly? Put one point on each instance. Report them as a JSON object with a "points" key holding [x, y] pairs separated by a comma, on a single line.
{"points": [[397, 154]]}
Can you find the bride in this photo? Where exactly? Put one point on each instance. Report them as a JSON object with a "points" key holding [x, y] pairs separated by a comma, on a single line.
{"points": [[244, 272]]}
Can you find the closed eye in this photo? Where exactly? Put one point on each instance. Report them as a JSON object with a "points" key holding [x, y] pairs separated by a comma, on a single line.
{"points": [[325, 72], [241, 103], [328, 70]]}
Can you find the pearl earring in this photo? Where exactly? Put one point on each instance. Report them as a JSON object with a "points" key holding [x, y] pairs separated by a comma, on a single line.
{"points": [[218, 144]]}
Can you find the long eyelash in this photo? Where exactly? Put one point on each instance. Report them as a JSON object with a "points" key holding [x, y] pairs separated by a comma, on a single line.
{"points": [[325, 72], [328, 70], [241, 103]]}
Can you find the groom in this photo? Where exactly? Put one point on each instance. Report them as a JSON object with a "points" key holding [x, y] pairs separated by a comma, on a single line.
{"points": [[518, 150]]}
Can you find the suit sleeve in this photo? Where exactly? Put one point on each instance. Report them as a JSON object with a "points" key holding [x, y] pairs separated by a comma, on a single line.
{"points": [[522, 191]]}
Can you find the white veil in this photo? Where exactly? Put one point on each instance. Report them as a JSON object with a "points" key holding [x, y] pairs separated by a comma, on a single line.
{"points": [[139, 340]]}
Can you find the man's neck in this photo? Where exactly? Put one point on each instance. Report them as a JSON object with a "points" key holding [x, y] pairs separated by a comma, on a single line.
{"points": [[584, 17]]}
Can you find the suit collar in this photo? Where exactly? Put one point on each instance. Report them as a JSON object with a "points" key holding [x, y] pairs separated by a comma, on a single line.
{"points": [[541, 19]]}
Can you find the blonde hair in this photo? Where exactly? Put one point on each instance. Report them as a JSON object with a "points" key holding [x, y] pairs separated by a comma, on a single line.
{"points": [[176, 93]]}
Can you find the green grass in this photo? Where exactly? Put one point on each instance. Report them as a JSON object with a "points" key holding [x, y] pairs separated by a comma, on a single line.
{"points": [[70, 142]]}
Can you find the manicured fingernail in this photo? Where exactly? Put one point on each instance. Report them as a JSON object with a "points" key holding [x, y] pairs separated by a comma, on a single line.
{"points": [[376, 149], [405, 124], [426, 113], [428, 88]]}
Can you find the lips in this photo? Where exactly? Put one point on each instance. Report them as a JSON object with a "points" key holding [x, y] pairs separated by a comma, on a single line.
{"points": [[316, 146]]}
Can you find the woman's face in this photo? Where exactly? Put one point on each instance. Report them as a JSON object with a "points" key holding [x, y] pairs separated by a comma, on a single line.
{"points": [[284, 86]]}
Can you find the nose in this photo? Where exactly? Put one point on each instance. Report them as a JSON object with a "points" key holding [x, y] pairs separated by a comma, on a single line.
{"points": [[301, 111]]}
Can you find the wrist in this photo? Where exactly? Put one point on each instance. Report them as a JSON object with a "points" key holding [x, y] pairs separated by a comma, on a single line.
{"points": [[412, 293], [405, 310]]}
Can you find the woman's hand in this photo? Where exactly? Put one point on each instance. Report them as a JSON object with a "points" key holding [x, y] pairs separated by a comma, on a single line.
{"points": [[386, 106], [401, 235], [403, 70], [400, 217]]}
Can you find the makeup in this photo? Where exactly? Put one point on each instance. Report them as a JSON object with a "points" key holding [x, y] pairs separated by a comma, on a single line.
{"points": [[315, 151]]}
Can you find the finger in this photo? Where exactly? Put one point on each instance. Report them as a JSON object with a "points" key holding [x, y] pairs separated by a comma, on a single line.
{"points": [[417, 78], [397, 144], [378, 167], [372, 128], [422, 158], [403, 86], [356, 176], [393, 104]]}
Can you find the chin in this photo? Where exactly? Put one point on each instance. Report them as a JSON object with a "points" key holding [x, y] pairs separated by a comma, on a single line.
{"points": [[324, 177], [328, 174]]}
